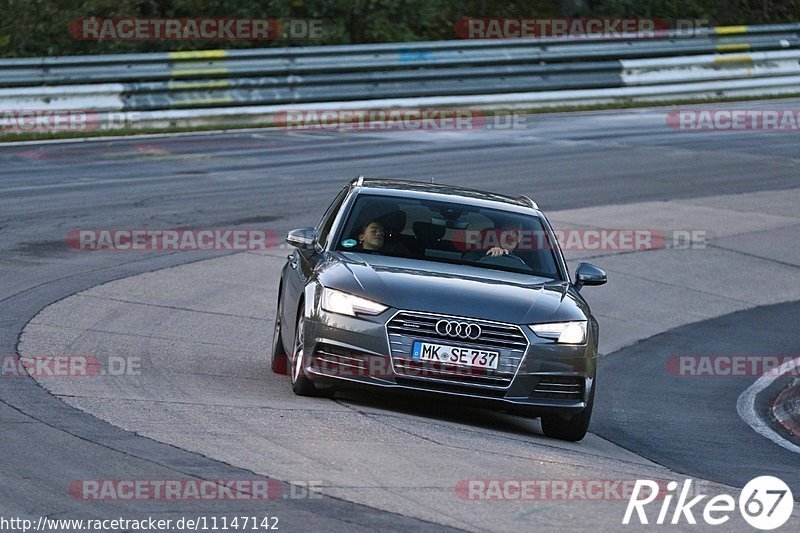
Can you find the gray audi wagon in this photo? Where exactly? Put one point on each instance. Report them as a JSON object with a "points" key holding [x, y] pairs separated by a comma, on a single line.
{"points": [[439, 290]]}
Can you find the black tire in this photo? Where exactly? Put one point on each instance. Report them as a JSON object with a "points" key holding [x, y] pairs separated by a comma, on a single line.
{"points": [[571, 429], [301, 385], [280, 358]]}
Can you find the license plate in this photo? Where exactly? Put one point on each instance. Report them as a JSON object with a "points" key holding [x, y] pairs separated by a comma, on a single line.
{"points": [[441, 353]]}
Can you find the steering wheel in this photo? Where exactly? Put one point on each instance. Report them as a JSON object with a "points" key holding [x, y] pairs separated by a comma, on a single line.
{"points": [[505, 260]]}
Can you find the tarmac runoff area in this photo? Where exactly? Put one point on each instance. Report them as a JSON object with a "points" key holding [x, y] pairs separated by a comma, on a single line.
{"points": [[201, 334]]}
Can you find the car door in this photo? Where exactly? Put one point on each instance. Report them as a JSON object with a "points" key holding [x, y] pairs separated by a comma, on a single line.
{"points": [[301, 265]]}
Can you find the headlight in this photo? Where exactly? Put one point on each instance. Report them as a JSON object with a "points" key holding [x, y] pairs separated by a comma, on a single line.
{"points": [[562, 332], [346, 304]]}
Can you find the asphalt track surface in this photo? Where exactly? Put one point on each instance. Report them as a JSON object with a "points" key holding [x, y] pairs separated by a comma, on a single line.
{"points": [[276, 179], [659, 426]]}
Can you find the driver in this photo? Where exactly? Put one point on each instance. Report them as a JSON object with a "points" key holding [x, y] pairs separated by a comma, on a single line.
{"points": [[372, 237]]}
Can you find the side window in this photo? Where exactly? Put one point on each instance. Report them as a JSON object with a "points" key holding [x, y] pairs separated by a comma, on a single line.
{"points": [[324, 226]]}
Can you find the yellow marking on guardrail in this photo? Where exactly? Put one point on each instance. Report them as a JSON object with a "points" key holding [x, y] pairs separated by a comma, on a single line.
{"points": [[199, 54], [181, 85], [199, 71], [728, 30], [203, 101], [734, 59], [732, 47]]}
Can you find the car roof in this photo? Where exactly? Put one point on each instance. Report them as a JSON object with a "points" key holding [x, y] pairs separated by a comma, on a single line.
{"points": [[436, 191]]}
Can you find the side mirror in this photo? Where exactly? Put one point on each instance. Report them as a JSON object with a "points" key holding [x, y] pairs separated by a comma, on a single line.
{"points": [[303, 238], [588, 274]]}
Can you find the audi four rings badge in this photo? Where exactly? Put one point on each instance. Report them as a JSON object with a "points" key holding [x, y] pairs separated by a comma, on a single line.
{"points": [[462, 330]]}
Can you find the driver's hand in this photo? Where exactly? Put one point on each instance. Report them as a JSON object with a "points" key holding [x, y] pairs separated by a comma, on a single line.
{"points": [[497, 251]]}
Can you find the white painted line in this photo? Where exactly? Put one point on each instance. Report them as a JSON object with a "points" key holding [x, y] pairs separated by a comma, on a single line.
{"points": [[74, 140], [746, 407]]}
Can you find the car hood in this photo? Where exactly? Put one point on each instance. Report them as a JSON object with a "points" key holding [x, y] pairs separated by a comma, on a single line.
{"points": [[416, 285]]}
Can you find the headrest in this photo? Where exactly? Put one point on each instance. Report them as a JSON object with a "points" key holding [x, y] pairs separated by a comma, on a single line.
{"points": [[428, 231], [394, 222]]}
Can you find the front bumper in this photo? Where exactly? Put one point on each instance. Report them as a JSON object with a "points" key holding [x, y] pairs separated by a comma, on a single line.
{"points": [[358, 352]]}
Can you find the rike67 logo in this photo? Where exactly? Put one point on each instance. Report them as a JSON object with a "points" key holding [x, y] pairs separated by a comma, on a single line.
{"points": [[766, 503]]}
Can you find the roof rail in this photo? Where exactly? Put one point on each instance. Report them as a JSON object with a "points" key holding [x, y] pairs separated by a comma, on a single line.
{"points": [[528, 199], [359, 180]]}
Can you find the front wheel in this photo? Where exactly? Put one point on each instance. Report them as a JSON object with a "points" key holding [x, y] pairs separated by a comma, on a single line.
{"points": [[279, 357], [301, 385], [571, 429]]}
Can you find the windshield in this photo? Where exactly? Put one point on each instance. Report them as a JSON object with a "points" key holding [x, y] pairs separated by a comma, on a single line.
{"points": [[449, 233]]}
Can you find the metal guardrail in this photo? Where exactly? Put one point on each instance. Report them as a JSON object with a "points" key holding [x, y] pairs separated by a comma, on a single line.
{"points": [[235, 86]]}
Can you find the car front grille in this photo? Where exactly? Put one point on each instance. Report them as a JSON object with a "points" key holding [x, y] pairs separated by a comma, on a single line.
{"points": [[407, 327], [440, 386]]}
